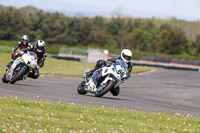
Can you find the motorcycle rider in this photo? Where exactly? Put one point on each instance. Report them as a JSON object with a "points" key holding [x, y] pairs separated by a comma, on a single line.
{"points": [[39, 49], [23, 44], [41, 53], [125, 56], [99, 64]]}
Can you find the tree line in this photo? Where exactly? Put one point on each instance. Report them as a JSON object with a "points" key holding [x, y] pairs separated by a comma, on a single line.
{"points": [[114, 33]]}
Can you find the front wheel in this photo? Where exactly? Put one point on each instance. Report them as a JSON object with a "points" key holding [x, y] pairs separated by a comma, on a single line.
{"points": [[105, 89], [18, 75], [4, 78], [81, 88]]}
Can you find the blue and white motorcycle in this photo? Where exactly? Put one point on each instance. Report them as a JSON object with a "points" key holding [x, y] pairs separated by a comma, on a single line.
{"points": [[20, 68], [111, 77]]}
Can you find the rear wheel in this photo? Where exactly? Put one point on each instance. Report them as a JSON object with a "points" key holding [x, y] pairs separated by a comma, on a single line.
{"points": [[81, 88], [4, 78], [18, 74], [105, 89]]}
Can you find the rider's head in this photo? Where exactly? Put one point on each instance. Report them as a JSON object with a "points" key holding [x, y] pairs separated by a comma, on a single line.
{"points": [[25, 40], [126, 55], [39, 46]]}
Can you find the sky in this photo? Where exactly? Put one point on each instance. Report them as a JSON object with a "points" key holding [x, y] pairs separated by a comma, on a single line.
{"points": [[163, 9]]}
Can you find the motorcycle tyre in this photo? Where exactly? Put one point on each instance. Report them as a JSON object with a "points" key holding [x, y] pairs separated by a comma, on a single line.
{"points": [[115, 91], [81, 89], [105, 90], [18, 75], [4, 79]]}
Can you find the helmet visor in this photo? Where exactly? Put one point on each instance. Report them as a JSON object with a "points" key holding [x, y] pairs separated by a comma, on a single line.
{"points": [[25, 42], [126, 56], [40, 49]]}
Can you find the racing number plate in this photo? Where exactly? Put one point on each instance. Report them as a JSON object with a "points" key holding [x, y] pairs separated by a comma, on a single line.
{"points": [[120, 71]]}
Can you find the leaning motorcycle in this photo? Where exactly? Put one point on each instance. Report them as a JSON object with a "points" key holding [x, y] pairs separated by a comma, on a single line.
{"points": [[20, 68], [112, 76]]}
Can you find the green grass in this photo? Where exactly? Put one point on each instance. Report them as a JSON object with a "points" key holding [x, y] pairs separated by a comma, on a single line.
{"points": [[19, 115], [63, 67], [6, 47], [53, 66]]}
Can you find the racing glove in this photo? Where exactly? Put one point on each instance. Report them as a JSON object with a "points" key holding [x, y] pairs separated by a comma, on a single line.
{"points": [[21, 52]]}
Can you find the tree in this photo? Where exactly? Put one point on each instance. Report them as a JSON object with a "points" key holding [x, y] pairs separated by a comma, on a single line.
{"points": [[170, 41], [195, 47], [99, 36]]}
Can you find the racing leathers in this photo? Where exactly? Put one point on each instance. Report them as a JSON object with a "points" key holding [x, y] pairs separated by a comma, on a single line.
{"points": [[99, 64], [97, 73], [41, 56], [102, 63], [113, 60], [40, 62], [16, 53], [20, 45]]}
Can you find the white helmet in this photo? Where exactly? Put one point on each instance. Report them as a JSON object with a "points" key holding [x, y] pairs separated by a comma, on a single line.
{"points": [[25, 40], [39, 46], [126, 55]]}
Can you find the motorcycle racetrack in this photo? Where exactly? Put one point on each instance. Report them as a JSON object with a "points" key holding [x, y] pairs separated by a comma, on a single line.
{"points": [[172, 91]]}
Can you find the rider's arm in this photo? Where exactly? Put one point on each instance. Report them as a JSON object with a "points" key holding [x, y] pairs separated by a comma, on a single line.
{"points": [[41, 61], [113, 60], [15, 48], [130, 65]]}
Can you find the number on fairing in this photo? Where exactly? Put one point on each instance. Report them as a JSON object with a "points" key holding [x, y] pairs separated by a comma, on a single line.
{"points": [[106, 71], [120, 72]]}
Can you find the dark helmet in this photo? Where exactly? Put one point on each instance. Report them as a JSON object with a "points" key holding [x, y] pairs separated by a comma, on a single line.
{"points": [[100, 64], [25, 40], [39, 46]]}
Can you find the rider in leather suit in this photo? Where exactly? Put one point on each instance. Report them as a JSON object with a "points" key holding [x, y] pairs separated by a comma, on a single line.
{"points": [[126, 55], [23, 44], [41, 53]]}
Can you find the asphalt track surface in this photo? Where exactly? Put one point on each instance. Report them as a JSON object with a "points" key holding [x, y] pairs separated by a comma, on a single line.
{"points": [[172, 91]]}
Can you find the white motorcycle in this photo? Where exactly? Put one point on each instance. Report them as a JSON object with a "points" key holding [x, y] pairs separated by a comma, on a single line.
{"points": [[20, 68], [112, 77]]}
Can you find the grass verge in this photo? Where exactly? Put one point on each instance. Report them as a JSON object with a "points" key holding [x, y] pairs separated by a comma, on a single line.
{"points": [[19, 115], [63, 67]]}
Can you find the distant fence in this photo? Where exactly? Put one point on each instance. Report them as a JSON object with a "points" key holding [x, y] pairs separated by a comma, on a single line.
{"points": [[72, 54], [73, 51], [168, 63], [81, 54]]}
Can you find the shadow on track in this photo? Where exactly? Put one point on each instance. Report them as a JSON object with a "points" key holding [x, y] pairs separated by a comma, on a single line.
{"points": [[183, 85], [27, 85], [111, 98]]}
